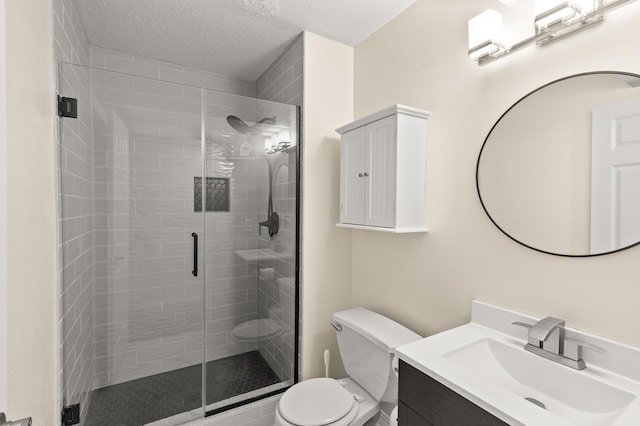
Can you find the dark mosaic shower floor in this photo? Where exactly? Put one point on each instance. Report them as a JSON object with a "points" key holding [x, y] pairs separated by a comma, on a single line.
{"points": [[155, 397]]}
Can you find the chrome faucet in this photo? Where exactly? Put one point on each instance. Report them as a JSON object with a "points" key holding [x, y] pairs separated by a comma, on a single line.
{"points": [[546, 338]]}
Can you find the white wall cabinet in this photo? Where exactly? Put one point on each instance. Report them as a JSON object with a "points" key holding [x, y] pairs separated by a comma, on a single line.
{"points": [[382, 171]]}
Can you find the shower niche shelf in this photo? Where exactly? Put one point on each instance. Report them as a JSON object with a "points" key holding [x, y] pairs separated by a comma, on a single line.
{"points": [[382, 171], [217, 194], [254, 255]]}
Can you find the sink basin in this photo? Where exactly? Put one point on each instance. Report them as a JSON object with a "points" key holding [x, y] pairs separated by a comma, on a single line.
{"points": [[573, 396], [485, 362]]}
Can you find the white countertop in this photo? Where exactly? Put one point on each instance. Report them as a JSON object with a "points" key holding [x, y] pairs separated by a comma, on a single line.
{"points": [[432, 356]]}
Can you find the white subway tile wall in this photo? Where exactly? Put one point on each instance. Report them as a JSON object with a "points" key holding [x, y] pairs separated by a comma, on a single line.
{"points": [[70, 41], [125, 63], [231, 283], [75, 239], [281, 82], [148, 305], [147, 152], [128, 302], [238, 230], [230, 286]]}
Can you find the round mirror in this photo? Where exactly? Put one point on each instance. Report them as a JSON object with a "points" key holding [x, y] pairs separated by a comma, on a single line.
{"points": [[559, 172]]}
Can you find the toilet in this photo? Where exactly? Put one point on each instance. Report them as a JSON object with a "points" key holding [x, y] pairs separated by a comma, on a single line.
{"points": [[366, 341]]}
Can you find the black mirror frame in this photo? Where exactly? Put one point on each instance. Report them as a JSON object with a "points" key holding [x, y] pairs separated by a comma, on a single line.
{"points": [[486, 139]]}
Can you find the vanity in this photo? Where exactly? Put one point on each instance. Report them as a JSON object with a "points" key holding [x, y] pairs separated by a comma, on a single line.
{"points": [[423, 401], [548, 187], [481, 374]]}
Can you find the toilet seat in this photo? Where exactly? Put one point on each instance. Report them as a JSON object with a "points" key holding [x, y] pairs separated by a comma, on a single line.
{"points": [[318, 402]]}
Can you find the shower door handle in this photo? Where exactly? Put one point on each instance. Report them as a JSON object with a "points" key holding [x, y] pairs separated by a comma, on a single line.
{"points": [[195, 254]]}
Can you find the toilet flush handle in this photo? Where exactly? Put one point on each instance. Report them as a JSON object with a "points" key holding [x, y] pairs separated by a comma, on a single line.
{"points": [[337, 326]]}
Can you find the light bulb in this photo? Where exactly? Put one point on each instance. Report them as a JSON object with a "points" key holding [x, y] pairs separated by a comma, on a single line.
{"points": [[551, 12], [487, 26]]}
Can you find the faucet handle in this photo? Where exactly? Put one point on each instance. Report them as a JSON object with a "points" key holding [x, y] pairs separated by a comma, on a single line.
{"points": [[532, 341], [522, 324], [573, 348]]}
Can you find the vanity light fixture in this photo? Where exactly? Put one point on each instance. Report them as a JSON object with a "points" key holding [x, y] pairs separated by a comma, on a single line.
{"points": [[554, 20], [550, 13], [485, 35]]}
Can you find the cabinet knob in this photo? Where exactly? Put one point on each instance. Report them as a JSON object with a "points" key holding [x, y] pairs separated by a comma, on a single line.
{"points": [[366, 174], [360, 175]]}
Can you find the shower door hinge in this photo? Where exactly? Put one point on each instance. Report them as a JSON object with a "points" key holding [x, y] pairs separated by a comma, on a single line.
{"points": [[67, 107], [71, 415]]}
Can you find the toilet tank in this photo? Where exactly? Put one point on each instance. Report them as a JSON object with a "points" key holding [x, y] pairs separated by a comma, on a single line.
{"points": [[367, 341]]}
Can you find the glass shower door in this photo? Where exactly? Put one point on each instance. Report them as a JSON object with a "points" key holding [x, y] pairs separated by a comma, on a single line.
{"points": [[132, 296], [251, 160], [178, 247]]}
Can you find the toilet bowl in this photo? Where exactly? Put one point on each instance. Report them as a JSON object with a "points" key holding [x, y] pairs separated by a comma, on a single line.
{"points": [[366, 341]]}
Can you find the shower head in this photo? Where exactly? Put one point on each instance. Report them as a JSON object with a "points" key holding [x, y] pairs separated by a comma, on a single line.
{"points": [[241, 127], [237, 124]]}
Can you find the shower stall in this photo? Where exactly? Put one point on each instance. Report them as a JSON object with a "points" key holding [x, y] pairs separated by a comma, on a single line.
{"points": [[179, 211]]}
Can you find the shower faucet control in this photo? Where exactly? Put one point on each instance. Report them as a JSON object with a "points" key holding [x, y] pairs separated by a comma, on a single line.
{"points": [[272, 224]]}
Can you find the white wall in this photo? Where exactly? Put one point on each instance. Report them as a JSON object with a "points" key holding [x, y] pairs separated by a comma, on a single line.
{"points": [[427, 281], [3, 217], [31, 214], [326, 250]]}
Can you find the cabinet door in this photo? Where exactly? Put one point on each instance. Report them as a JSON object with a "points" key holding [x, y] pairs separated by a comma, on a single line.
{"points": [[380, 181], [352, 179], [424, 398]]}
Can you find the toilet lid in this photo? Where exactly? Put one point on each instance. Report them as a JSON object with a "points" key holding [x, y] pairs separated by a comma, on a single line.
{"points": [[315, 402]]}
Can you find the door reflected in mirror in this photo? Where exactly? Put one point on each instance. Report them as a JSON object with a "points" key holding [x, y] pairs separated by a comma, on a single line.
{"points": [[559, 172]]}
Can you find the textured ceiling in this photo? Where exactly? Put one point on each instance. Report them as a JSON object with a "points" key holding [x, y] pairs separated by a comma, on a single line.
{"points": [[237, 38]]}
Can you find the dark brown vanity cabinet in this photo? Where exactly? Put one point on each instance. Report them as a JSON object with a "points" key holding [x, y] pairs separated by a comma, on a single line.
{"points": [[423, 401]]}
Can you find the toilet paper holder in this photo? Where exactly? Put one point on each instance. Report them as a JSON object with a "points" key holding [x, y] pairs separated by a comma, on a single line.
{"points": [[22, 422]]}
